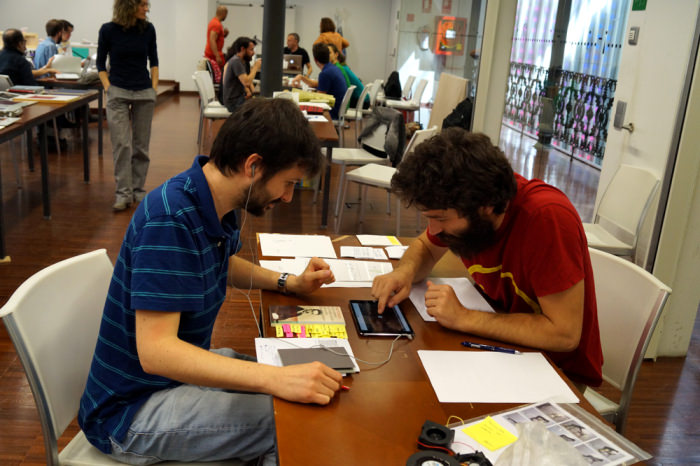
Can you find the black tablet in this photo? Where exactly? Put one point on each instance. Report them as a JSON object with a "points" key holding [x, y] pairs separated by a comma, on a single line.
{"points": [[369, 322]]}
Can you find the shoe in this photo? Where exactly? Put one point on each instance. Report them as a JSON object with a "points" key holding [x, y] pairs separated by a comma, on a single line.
{"points": [[139, 196], [120, 204]]}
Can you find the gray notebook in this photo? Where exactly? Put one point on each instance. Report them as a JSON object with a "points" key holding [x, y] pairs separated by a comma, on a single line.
{"points": [[341, 362]]}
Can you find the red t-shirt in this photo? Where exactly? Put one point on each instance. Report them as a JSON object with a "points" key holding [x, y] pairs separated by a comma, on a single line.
{"points": [[541, 249], [214, 25]]}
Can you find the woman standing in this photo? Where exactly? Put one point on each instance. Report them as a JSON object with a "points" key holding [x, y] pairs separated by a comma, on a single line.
{"points": [[129, 41], [329, 36]]}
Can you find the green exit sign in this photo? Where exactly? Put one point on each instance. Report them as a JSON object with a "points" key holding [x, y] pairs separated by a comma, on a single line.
{"points": [[639, 5]]}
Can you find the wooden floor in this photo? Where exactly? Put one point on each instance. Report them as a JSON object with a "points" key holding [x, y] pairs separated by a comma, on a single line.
{"points": [[664, 414]]}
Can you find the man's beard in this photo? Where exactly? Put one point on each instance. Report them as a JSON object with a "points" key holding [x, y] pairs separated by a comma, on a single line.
{"points": [[478, 236], [258, 201]]}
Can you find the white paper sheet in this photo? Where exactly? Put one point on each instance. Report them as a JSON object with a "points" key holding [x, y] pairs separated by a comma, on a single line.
{"points": [[266, 348], [490, 377], [348, 273], [273, 244], [378, 240], [465, 291], [359, 252], [395, 252]]}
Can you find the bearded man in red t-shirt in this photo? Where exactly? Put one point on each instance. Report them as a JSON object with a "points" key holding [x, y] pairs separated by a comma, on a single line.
{"points": [[521, 241]]}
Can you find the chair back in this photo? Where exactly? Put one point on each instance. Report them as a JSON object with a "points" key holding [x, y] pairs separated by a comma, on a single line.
{"points": [[53, 319], [207, 85], [376, 87], [451, 91], [361, 100], [346, 102], [625, 202], [630, 301], [418, 137], [407, 87], [420, 88], [5, 82]]}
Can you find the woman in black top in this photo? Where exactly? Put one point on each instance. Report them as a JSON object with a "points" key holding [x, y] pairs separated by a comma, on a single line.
{"points": [[129, 41]]}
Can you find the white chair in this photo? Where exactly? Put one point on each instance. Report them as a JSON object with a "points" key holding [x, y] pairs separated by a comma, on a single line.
{"points": [[630, 301], [379, 176], [209, 108], [53, 319], [356, 156], [410, 105], [342, 110], [451, 90], [621, 211], [356, 114]]}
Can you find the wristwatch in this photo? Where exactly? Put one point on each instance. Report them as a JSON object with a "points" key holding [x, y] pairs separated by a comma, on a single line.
{"points": [[282, 283]]}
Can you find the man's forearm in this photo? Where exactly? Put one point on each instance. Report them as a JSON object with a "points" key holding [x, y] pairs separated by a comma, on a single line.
{"points": [[244, 274], [420, 258], [154, 77]]}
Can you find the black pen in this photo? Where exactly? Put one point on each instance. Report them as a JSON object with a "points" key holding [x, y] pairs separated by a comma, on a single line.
{"points": [[499, 349]]}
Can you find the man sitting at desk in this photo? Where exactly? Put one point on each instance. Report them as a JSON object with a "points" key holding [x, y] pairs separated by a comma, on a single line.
{"points": [[155, 391], [13, 62], [238, 74], [46, 50], [330, 79], [521, 240], [293, 48]]}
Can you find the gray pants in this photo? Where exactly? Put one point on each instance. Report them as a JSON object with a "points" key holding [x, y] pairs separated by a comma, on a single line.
{"points": [[130, 139]]}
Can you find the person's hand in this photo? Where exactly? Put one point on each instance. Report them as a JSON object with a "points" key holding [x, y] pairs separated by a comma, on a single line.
{"points": [[258, 63], [317, 273], [219, 60], [306, 383], [392, 288], [51, 71], [295, 82], [441, 302], [225, 32]]}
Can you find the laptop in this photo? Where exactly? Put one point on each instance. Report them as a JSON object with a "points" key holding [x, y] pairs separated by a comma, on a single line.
{"points": [[291, 64], [69, 67]]}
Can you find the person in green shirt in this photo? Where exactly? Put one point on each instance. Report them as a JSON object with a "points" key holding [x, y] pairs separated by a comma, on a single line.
{"points": [[351, 79]]}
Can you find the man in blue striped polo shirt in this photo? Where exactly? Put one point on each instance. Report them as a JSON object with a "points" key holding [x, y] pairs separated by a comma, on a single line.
{"points": [[155, 390]]}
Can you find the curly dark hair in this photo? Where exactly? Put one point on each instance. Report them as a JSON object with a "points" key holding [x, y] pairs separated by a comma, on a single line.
{"points": [[456, 169], [327, 25], [276, 130]]}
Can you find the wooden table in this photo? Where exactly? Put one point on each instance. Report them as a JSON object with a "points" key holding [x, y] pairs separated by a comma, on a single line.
{"points": [[74, 84], [379, 419], [36, 116], [328, 136]]}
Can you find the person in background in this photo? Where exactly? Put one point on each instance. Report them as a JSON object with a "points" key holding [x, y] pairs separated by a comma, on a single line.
{"points": [[214, 48], [129, 41], [329, 36], [13, 62], [351, 79], [294, 49], [64, 47], [238, 74], [49, 46], [330, 79], [157, 390]]}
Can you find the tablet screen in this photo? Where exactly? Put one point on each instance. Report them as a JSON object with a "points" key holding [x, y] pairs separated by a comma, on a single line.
{"points": [[369, 322]]}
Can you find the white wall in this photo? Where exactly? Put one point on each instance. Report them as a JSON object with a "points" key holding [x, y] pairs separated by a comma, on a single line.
{"points": [[181, 27]]}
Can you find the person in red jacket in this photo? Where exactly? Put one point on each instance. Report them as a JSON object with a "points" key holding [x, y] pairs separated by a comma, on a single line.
{"points": [[214, 48]]}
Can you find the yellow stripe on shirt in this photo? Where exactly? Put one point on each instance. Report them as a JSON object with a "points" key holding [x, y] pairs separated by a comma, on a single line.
{"points": [[477, 268]]}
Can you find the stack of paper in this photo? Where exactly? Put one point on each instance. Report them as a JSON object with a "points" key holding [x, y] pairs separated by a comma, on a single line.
{"points": [[266, 349], [468, 296]]}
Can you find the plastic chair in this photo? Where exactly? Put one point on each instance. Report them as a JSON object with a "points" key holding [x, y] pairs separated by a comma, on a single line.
{"points": [[379, 176], [410, 105], [53, 319], [630, 301], [356, 114], [356, 156], [342, 110], [451, 90], [405, 92], [622, 208], [209, 107]]}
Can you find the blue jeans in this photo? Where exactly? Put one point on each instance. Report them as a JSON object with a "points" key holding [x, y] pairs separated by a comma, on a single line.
{"points": [[192, 423]]}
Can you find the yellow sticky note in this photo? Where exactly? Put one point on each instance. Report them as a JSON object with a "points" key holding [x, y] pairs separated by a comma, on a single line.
{"points": [[394, 240], [490, 434]]}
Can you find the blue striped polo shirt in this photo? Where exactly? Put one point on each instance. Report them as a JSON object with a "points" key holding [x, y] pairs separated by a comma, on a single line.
{"points": [[174, 258]]}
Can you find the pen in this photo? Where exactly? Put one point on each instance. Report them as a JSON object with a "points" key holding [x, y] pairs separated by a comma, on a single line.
{"points": [[345, 387], [499, 349]]}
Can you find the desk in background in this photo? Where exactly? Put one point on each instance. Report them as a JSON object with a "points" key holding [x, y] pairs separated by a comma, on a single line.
{"points": [[379, 419], [74, 84], [36, 116]]}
